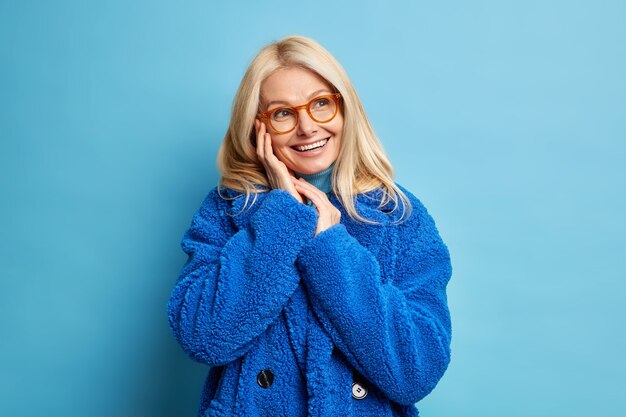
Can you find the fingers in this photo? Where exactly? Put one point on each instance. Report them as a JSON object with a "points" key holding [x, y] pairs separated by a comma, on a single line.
{"points": [[260, 140], [264, 148], [277, 173], [269, 152], [311, 192], [329, 215], [292, 190]]}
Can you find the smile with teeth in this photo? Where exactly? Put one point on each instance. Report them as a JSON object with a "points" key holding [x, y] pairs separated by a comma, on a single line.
{"points": [[311, 146]]}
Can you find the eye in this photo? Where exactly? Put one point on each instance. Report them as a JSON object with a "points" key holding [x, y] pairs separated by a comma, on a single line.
{"points": [[320, 103], [281, 114]]}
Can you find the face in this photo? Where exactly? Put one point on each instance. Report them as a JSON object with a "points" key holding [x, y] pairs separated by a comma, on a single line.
{"points": [[292, 87]]}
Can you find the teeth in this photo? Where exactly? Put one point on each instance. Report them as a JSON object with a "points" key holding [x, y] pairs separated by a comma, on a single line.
{"points": [[314, 145]]}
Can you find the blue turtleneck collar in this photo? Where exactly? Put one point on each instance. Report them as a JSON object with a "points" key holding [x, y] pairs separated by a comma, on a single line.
{"points": [[323, 180]]}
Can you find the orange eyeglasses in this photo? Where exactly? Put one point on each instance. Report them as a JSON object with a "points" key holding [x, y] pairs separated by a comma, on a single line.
{"points": [[321, 109]]}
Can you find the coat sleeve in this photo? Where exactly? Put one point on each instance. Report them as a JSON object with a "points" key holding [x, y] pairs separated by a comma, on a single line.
{"points": [[396, 334], [234, 284]]}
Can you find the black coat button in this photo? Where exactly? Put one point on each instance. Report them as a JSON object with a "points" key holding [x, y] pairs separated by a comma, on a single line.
{"points": [[265, 378]]}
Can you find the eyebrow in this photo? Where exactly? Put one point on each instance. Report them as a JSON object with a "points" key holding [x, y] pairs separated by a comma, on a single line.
{"points": [[313, 94]]}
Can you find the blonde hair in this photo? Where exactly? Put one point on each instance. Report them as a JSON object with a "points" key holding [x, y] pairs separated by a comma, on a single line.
{"points": [[361, 165]]}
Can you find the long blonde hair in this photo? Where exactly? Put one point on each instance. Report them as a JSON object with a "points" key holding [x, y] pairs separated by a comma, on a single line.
{"points": [[361, 165]]}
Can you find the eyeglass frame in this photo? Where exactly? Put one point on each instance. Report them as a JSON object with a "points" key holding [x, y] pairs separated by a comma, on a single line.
{"points": [[336, 97]]}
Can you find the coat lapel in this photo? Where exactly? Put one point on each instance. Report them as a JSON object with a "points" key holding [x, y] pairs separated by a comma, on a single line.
{"points": [[321, 382]]}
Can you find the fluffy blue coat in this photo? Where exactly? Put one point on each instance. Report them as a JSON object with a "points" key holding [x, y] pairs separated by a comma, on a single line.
{"points": [[358, 303]]}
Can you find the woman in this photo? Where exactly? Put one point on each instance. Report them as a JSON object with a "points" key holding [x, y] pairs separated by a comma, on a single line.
{"points": [[315, 285]]}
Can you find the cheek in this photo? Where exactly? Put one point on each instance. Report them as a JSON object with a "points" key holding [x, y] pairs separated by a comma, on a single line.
{"points": [[337, 125], [279, 148], [337, 130]]}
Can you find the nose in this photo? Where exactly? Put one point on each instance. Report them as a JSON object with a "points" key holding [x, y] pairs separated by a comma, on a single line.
{"points": [[306, 126]]}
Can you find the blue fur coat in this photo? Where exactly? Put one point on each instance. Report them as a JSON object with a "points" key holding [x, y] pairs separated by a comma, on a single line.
{"points": [[352, 322]]}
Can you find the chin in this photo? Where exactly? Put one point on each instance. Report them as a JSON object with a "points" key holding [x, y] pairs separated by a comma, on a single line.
{"points": [[312, 168]]}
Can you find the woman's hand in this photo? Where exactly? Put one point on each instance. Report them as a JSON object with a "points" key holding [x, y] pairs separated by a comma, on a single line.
{"points": [[277, 173], [328, 215]]}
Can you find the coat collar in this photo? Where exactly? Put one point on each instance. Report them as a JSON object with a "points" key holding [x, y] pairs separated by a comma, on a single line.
{"points": [[367, 205], [240, 207]]}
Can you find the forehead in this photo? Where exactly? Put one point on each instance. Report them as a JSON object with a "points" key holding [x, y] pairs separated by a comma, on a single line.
{"points": [[292, 85]]}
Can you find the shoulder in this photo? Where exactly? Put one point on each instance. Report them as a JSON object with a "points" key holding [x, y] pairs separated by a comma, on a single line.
{"points": [[214, 202], [228, 200], [420, 228], [399, 208], [419, 213], [416, 206]]}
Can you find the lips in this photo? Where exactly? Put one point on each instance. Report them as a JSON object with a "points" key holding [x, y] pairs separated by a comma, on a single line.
{"points": [[315, 145]]}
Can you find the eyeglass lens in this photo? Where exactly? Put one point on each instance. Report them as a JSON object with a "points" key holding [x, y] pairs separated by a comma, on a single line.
{"points": [[321, 109]]}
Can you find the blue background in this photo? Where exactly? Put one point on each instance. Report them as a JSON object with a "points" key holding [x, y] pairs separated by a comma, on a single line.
{"points": [[506, 118]]}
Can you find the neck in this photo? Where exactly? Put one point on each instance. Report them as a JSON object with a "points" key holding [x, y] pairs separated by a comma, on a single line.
{"points": [[323, 180]]}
